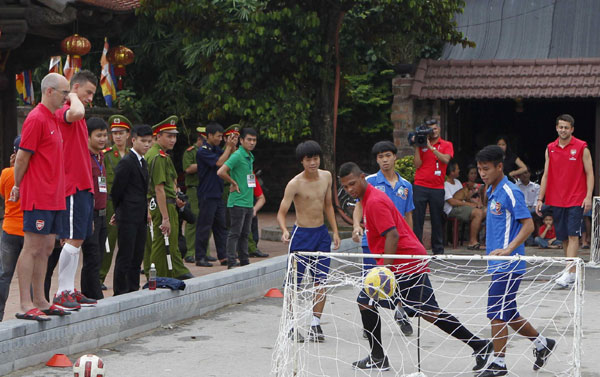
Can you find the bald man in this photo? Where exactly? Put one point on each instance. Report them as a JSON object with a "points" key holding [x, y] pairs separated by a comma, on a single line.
{"points": [[40, 185]]}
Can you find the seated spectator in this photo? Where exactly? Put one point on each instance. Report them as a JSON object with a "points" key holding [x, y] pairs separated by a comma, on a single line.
{"points": [[547, 236], [460, 205], [475, 190], [531, 191], [512, 164]]}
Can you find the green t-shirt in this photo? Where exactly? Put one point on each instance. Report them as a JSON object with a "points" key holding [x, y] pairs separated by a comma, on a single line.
{"points": [[189, 158], [240, 166], [161, 170]]}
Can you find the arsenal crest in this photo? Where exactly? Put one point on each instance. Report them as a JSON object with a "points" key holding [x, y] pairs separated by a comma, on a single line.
{"points": [[39, 224]]}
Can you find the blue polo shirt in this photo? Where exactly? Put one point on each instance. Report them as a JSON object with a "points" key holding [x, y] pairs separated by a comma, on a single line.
{"points": [[401, 194], [506, 206], [210, 185]]}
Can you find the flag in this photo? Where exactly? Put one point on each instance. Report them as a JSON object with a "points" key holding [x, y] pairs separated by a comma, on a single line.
{"points": [[106, 78], [25, 87], [55, 65], [68, 69]]}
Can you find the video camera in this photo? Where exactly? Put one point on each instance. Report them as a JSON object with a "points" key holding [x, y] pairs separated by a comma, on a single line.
{"points": [[422, 132]]}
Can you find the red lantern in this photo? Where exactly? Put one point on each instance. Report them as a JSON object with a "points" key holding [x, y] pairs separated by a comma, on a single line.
{"points": [[75, 46], [119, 57]]}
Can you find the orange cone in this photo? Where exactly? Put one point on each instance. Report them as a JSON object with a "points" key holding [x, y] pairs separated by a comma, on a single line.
{"points": [[274, 292], [59, 360]]}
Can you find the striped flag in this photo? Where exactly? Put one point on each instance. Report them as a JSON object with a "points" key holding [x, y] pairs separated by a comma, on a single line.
{"points": [[69, 69], [106, 78], [25, 87], [55, 65]]}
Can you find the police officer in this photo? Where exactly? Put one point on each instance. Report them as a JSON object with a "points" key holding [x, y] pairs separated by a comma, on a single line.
{"points": [[119, 127], [163, 202], [191, 182]]}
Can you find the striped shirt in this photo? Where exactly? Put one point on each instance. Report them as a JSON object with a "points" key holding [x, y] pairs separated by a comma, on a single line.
{"points": [[506, 206]]}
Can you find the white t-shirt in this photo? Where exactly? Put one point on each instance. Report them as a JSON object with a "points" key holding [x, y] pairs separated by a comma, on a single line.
{"points": [[531, 192], [450, 189]]}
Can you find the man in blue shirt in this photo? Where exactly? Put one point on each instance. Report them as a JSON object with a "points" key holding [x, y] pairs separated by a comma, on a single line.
{"points": [[211, 208], [508, 225], [400, 191]]}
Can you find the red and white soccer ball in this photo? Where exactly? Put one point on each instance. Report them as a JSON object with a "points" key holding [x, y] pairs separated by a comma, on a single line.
{"points": [[89, 366]]}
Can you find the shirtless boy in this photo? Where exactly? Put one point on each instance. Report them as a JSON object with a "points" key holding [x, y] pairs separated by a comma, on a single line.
{"points": [[310, 191]]}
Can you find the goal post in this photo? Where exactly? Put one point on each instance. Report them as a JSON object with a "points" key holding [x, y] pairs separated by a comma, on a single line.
{"points": [[460, 284], [595, 236]]}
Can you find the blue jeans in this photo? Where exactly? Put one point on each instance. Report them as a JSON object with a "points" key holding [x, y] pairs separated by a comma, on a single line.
{"points": [[10, 249], [543, 243]]}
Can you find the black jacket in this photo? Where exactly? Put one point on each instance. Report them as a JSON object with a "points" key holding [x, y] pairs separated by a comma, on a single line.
{"points": [[129, 190]]}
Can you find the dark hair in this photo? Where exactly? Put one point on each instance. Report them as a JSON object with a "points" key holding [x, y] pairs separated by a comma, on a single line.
{"points": [[84, 76], [140, 130], [491, 153], [308, 148], [348, 168], [247, 131], [214, 127], [95, 123], [452, 164], [567, 118], [384, 146]]}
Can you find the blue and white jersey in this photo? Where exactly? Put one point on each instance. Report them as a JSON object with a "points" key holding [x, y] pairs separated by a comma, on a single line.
{"points": [[506, 206], [401, 194]]}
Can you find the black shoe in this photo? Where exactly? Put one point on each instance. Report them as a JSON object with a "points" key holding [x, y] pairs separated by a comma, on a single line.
{"points": [[211, 259], [494, 370], [103, 287], [542, 355], [224, 262], [244, 263], [203, 263], [189, 259], [315, 334], [403, 321], [142, 272], [232, 265], [482, 355], [300, 337], [372, 363], [259, 254], [185, 276]]}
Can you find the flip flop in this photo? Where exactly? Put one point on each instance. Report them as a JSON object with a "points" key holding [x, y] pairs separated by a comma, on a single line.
{"points": [[55, 310], [33, 315], [585, 247], [473, 247]]}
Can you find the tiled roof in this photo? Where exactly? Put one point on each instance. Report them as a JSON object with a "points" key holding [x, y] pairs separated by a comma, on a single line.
{"points": [[540, 78], [114, 5]]}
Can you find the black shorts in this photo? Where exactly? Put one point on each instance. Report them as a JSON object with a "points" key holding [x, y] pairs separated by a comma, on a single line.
{"points": [[567, 221], [414, 291]]}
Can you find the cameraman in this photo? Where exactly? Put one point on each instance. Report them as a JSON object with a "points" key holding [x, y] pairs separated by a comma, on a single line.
{"points": [[428, 188]]}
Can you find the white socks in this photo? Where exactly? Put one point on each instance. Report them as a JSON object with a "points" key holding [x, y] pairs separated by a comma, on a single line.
{"points": [[540, 342], [67, 268], [316, 321], [499, 360]]}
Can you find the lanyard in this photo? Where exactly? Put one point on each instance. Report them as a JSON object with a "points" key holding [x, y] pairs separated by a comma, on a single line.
{"points": [[97, 161]]}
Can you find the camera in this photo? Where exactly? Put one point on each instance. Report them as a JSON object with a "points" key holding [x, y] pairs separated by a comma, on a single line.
{"points": [[181, 196], [421, 134]]}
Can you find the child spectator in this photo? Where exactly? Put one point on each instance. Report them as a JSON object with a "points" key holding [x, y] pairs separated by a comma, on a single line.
{"points": [[547, 236]]}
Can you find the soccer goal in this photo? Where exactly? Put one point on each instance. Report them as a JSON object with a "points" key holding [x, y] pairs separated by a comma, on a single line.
{"points": [[460, 284], [595, 236]]}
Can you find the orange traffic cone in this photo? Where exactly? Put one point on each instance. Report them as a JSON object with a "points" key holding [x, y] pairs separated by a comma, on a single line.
{"points": [[59, 360], [274, 292]]}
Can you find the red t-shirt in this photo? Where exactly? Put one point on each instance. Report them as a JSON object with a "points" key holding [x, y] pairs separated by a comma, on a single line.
{"points": [[432, 172], [78, 168], [43, 185], [566, 185], [258, 190], [379, 216], [551, 233], [13, 216]]}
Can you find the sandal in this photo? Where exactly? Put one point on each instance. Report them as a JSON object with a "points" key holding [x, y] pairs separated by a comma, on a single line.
{"points": [[55, 310], [33, 315], [473, 247]]}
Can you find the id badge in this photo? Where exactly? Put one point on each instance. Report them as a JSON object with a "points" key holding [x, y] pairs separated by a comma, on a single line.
{"points": [[251, 180], [102, 184], [438, 172]]}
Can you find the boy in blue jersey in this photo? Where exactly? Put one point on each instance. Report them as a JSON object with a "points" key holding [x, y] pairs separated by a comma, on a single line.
{"points": [[508, 225], [388, 181]]}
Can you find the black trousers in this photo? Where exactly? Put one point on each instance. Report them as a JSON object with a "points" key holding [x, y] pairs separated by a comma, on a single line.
{"points": [[132, 241], [92, 250], [211, 216], [435, 198]]}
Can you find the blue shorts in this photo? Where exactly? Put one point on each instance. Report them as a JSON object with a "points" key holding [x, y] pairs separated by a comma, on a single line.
{"points": [[502, 297], [79, 216], [41, 221], [414, 291], [567, 221], [311, 239]]}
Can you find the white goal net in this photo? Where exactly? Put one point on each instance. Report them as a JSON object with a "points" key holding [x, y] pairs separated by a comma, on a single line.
{"points": [[460, 285], [595, 236]]}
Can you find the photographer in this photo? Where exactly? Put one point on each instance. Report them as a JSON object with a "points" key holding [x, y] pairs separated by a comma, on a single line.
{"points": [[431, 158]]}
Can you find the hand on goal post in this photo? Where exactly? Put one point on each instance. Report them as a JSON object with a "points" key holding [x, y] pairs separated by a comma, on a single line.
{"points": [[447, 298]]}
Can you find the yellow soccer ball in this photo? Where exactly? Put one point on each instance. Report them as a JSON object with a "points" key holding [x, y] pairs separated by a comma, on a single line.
{"points": [[380, 283]]}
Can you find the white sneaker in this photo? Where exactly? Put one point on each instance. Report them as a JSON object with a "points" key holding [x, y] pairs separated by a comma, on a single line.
{"points": [[563, 281], [571, 277]]}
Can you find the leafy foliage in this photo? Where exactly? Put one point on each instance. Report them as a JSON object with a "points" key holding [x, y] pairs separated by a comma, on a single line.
{"points": [[405, 166]]}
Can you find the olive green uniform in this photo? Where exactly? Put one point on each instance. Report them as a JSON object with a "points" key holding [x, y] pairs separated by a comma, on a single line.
{"points": [[163, 171], [191, 182], [111, 159]]}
